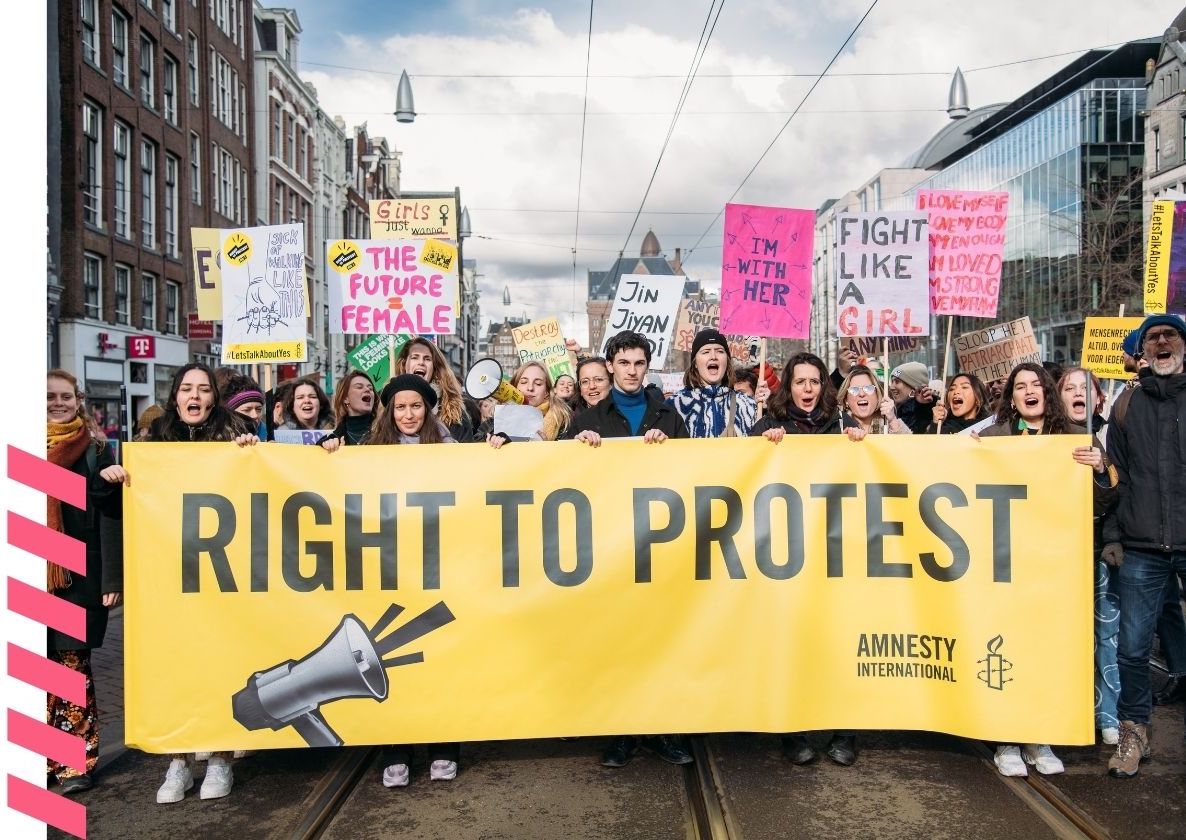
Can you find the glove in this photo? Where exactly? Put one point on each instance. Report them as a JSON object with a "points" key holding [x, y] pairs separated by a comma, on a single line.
{"points": [[1113, 554]]}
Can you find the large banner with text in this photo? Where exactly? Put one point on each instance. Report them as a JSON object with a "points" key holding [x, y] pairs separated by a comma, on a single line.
{"points": [[450, 593]]}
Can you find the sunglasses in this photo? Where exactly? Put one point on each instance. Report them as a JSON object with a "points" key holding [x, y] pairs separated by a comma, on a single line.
{"points": [[859, 390]]}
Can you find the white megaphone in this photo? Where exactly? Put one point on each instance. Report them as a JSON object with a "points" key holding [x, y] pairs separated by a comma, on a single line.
{"points": [[349, 663], [485, 380]]}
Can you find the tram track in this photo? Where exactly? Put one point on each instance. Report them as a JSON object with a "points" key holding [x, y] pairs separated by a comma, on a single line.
{"points": [[339, 782]]}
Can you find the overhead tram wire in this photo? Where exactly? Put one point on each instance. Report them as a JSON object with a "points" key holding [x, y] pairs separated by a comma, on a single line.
{"points": [[770, 146], [697, 57], [581, 164]]}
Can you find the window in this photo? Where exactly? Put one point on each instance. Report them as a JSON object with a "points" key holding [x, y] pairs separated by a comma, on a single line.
{"points": [[148, 301], [172, 296], [92, 172], [119, 47], [172, 169], [148, 193], [277, 152], [195, 168], [277, 202], [290, 151], [225, 85], [123, 282], [92, 286], [170, 84], [123, 179], [90, 31], [1156, 149], [1182, 143], [147, 72], [194, 72], [169, 15]]}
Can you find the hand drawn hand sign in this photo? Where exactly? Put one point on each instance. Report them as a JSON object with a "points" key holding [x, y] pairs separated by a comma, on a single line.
{"points": [[261, 307]]}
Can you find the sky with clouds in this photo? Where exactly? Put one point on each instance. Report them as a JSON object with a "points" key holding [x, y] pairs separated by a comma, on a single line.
{"points": [[500, 86]]}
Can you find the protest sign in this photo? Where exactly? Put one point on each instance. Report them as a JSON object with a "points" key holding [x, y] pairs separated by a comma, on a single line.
{"points": [[766, 271], [866, 347], [1165, 259], [423, 217], [205, 243], [543, 342], [1102, 352], [518, 422], [993, 352], [941, 550], [373, 356], [967, 246], [391, 286], [264, 297], [881, 274], [646, 304], [672, 382], [305, 437]]}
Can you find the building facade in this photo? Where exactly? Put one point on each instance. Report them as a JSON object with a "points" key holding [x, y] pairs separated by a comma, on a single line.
{"points": [[153, 139], [1165, 125]]}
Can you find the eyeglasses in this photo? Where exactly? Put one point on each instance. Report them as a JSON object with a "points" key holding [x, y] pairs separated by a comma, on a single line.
{"points": [[858, 390], [596, 380], [1169, 335]]}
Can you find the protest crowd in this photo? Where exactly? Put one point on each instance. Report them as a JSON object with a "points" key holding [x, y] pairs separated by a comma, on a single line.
{"points": [[1136, 460]]}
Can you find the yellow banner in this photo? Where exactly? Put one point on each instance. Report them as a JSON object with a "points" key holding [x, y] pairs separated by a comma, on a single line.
{"points": [[279, 596], [1157, 256], [205, 244], [1103, 352]]}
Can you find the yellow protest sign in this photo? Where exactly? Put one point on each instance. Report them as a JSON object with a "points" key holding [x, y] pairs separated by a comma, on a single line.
{"points": [[439, 593], [422, 217], [1102, 351], [1157, 256], [543, 341], [205, 244]]}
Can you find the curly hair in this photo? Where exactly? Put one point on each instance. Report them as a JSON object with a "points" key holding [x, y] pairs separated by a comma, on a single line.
{"points": [[1054, 415], [781, 400]]}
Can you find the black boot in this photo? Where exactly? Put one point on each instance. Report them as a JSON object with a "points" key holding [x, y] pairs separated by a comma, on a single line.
{"points": [[619, 752], [797, 750], [843, 749], [670, 748], [1174, 691]]}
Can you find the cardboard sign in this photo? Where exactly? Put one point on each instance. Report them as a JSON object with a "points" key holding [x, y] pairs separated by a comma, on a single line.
{"points": [[672, 382], [993, 352], [432, 217], [543, 342], [868, 347], [391, 286], [1165, 259], [646, 304], [205, 243], [967, 245], [304, 437], [881, 274], [766, 271], [696, 315], [1102, 353], [373, 356], [264, 299]]}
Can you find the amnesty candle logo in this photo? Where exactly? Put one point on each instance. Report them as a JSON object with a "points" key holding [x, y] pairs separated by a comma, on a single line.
{"points": [[995, 665]]}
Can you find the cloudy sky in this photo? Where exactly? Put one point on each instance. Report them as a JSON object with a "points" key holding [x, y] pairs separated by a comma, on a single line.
{"points": [[500, 87]]}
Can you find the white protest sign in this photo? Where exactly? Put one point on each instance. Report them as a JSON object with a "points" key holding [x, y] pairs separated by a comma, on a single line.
{"points": [[518, 422], [263, 294], [391, 286], [300, 436], [646, 304], [882, 284]]}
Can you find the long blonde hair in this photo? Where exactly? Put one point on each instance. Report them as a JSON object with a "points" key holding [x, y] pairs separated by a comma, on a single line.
{"points": [[451, 408], [556, 412], [87, 419]]}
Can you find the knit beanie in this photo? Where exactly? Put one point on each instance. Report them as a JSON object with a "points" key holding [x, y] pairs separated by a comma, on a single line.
{"points": [[409, 382], [239, 391], [913, 374], [709, 337]]}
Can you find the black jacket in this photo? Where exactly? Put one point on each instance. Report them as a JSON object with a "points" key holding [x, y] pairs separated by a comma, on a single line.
{"points": [[1148, 446], [918, 416], [607, 420], [769, 421], [99, 528]]}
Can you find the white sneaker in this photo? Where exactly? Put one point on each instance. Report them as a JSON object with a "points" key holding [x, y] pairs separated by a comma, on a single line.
{"points": [[1110, 735], [1043, 759], [219, 778], [1008, 761], [395, 775], [442, 771], [178, 779]]}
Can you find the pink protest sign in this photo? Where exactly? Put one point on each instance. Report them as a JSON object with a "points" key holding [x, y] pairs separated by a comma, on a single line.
{"points": [[766, 271], [967, 246]]}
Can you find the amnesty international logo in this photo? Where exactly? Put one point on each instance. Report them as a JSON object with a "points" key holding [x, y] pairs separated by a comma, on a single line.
{"points": [[995, 665]]}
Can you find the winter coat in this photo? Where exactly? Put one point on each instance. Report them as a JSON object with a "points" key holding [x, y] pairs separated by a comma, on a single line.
{"points": [[1147, 443], [916, 415], [607, 420], [99, 527], [705, 409], [791, 428]]}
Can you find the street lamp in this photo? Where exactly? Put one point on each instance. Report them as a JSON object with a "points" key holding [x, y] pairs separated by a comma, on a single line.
{"points": [[405, 106]]}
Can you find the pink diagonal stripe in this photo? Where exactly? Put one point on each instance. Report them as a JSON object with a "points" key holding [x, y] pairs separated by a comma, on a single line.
{"points": [[47, 807], [50, 479], [43, 541], [46, 609], [51, 677], [46, 740]]}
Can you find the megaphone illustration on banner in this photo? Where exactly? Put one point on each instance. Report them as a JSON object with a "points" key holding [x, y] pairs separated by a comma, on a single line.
{"points": [[349, 663], [485, 380]]}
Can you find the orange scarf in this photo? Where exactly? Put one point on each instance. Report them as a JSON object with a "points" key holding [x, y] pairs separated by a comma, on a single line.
{"points": [[65, 444]]}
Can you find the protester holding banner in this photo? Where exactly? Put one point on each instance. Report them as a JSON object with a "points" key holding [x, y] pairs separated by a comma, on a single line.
{"points": [[354, 410], [912, 396], [193, 413], [75, 443], [803, 403], [306, 407], [708, 404], [593, 382], [965, 405], [865, 410], [1146, 538], [242, 395], [424, 359], [276, 398], [535, 384]]}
